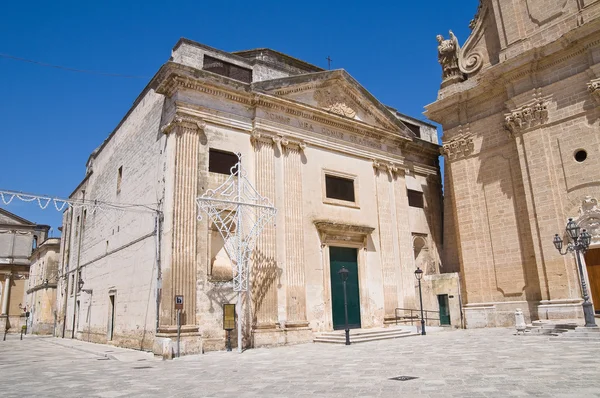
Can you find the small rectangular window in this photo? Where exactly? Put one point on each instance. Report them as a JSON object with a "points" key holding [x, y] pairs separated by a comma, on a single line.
{"points": [[221, 162], [119, 179], [227, 69], [339, 188], [414, 128], [415, 199], [72, 283]]}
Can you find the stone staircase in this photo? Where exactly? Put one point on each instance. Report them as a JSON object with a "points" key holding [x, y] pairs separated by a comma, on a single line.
{"points": [[550, 328], [364, 335], [580, 333]]}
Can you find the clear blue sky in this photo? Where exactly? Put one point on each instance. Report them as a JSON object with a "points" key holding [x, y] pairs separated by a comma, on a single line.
{"points": [[51, 120]]}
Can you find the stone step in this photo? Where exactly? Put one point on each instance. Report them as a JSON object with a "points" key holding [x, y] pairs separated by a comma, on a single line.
{"points": [[573, 338], [365, 332], [341, 339]]}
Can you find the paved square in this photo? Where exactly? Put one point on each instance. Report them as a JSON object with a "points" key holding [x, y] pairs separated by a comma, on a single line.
{"points": [[462, 363]]}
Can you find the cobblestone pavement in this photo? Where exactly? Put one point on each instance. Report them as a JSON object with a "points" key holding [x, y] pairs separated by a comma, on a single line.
{"points": [[463, 363]]}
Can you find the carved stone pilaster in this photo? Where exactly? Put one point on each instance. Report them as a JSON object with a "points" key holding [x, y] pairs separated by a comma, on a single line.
{"points": [[526, 117], [459, 146], [594, 89], [265, 270], [181, 278], [294, 235]]}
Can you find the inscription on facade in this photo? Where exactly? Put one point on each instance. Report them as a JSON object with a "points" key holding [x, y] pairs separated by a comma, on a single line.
{"points": [[278, 118], [332, 133], [305, 125]]}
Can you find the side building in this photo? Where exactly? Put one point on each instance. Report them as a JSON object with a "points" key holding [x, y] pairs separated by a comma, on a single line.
{"points": [[18, 238], [519, 105], [356, 184], [41, 289]]}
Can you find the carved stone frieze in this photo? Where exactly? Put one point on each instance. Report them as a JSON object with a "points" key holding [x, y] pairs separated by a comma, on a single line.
{"points": [[459, 146], [526, 117]]}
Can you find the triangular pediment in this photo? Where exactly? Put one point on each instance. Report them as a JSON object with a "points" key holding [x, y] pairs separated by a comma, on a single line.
{"points": [[6, 217], [338, 93]]}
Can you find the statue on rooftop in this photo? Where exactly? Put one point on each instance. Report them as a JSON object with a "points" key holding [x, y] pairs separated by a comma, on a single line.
{"points": [[448, 55]]}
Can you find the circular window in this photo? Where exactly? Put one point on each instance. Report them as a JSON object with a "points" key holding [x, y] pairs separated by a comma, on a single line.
{"points": [[580, 155]]}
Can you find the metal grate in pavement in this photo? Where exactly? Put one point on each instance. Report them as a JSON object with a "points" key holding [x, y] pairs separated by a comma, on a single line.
{"points": [[403, 378]]}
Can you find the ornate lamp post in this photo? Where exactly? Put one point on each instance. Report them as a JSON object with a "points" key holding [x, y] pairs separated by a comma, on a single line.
{"points": [[419, 275], [579, 243], [343, 273]]}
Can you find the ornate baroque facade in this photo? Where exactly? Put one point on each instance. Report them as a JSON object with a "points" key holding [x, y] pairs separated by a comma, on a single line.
{"points": [[354, 182], [522, 148]]}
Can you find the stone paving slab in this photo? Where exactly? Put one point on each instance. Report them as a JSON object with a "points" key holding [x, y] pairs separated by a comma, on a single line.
{"points": [[464, 363]]}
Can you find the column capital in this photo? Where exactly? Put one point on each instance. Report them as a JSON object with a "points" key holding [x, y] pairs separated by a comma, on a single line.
{"points": [[388, 167], [186, 121], [527, 116], [459, 146]]}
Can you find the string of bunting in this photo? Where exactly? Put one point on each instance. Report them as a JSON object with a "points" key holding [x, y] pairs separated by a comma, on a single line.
{"points": [[43, 201]]}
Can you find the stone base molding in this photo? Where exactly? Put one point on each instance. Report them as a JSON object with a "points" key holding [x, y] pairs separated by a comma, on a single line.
{"points": [[165, 344], [560, 309], [277, 337]]}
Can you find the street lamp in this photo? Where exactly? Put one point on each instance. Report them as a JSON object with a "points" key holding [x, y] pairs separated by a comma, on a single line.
{"points": [[419, 275], [343, 273], [579, 243]]}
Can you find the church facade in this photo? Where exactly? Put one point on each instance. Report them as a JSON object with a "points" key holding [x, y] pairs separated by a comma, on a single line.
{"points": [[355, 184], [519, 105]]}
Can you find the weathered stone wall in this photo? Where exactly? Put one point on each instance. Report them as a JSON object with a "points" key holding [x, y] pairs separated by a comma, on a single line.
{"points": [[118, 248], [512, 173]]}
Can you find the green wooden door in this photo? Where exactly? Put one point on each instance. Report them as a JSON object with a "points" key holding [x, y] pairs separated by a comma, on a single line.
{"points": [[344, 257], [444, 309]]}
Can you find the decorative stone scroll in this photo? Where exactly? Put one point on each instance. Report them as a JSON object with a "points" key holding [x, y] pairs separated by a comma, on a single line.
{"points": [[526, 117], [589, 217], [459, 146]]}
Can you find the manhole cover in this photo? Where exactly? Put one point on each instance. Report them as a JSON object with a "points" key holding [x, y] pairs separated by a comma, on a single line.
{"points": [[403, 378], [142, 367]]}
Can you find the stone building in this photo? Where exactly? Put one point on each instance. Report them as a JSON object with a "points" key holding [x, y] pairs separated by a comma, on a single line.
{"points": [[41, 290], [18, 238], [355, 183], [519, 108]]}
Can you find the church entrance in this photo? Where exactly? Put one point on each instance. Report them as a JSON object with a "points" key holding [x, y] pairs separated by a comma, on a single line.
{"points": [[344, 257], [592, 261]]}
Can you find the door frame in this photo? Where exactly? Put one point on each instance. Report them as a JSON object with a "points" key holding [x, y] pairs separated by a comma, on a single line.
{"points": [[340, 235], [112, 309], [595, 306]]}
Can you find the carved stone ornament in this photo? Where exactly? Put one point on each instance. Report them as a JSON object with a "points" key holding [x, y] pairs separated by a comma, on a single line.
{"points": [[526, 117], [332, 99], [387, 167], [339, 108], [185, 121], [594, 89], [448, 52], [459, 146], [589, 218]]}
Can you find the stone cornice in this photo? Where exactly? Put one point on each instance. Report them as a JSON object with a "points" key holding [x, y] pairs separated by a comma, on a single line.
{"points": [[526, 117]]}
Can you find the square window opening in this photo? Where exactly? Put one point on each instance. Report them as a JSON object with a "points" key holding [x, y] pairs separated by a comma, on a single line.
{"points": [[415, 199], [339, 188], [222, 162]]}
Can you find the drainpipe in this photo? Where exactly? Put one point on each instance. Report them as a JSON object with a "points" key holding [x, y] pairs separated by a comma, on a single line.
{"points": [[76, 280]]}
